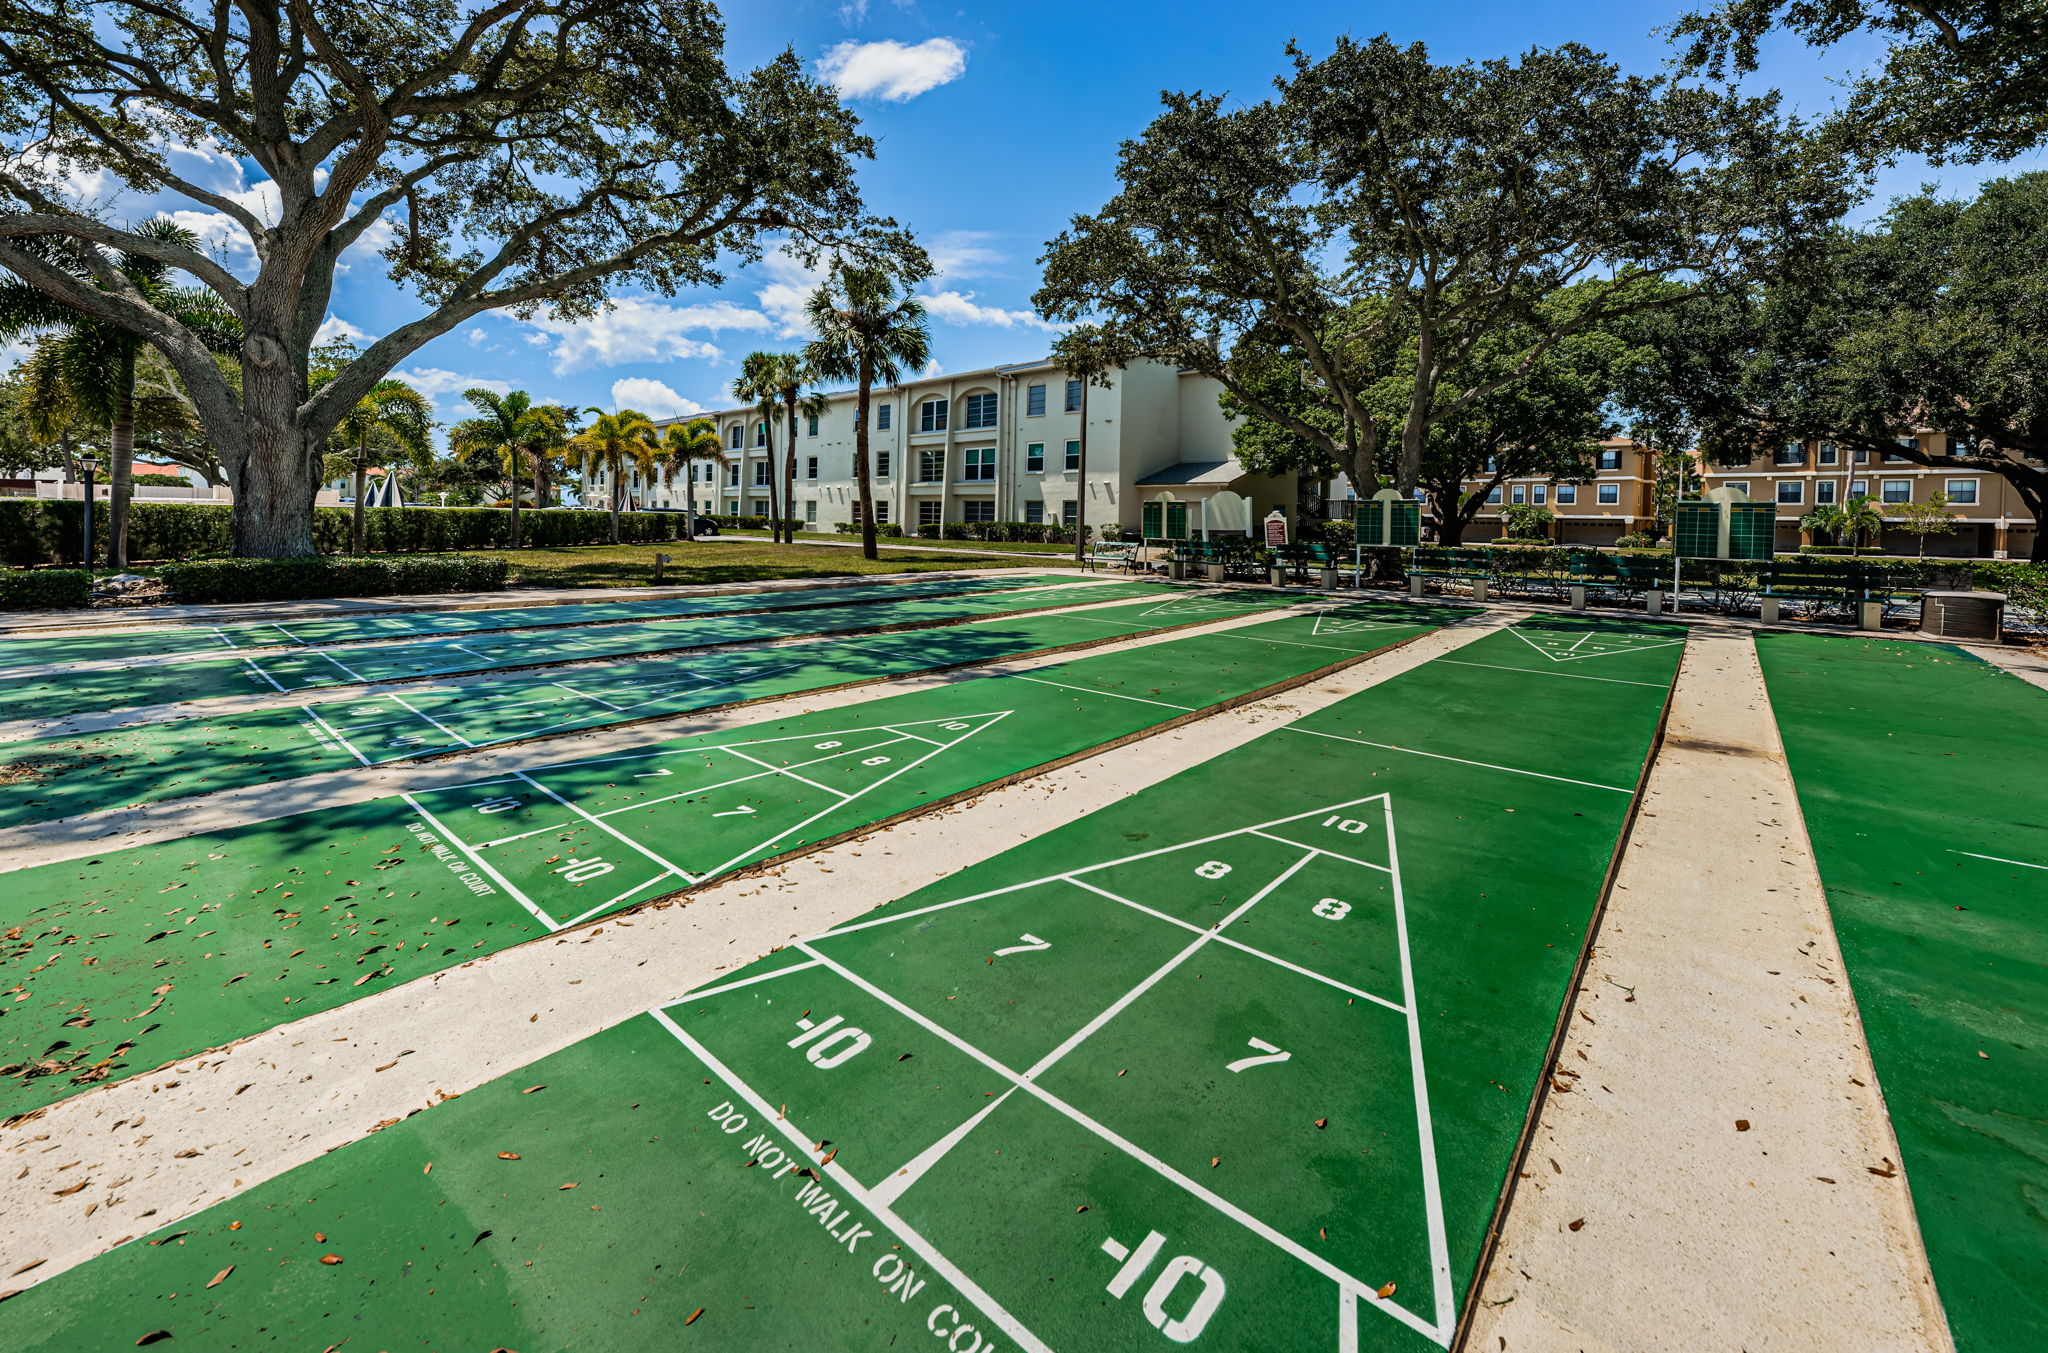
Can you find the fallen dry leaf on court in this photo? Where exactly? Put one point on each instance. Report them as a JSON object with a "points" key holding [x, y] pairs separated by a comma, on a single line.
{"points": [[221, 1276], [319, 1239], [428, 1168], [828, 1156], [1322, 1122], [1884, 1172], [531, 1088], [154, 1336], [1385, 1290], [1082, 1208], [1742, 1125], [1577, 1225], [234, 1226], [567, 1186], [508, 1155], [691, 1319], [330, 1258], [1214, 1161], [65, 1193]]}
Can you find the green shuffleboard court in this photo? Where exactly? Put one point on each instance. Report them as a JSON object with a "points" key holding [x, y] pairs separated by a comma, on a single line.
{"points": [[1242, 1061], [152, 761], [53, 693], [1919, 769], [60, 648], [127, 960]]}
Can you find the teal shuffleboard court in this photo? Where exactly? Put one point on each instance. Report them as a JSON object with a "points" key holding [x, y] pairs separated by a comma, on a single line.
{"points": [[60, 648], [1240, 1062], [54, 693], [218, 936], [149, 762]]}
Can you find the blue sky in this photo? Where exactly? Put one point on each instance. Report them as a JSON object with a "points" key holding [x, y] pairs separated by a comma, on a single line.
{"points": [[994, 124]]}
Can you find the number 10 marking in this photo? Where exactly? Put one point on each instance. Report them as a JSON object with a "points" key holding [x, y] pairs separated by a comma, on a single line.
{"points": [[1184, 1329]]}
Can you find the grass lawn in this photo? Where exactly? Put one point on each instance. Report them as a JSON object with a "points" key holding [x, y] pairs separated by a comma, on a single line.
{"points": [[633, 565], [999, 546]]}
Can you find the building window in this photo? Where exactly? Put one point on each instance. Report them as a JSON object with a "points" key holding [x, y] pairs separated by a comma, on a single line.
{"points": [[1539, 493], [811, 426], [1492, 464], [928, 514], [761, 470], [1960, 490], [1791, 453], [882, 511], [732, 477], [1073, 396], [1567, 493], [1824, 492], [979, 464], [1741, 486], [881, 464], [1610, 460], [1070, 511], [1515, 493], [1493, 495], [1859, 487], [1034, 511], [1609, 493], [882, 418], [732, 507], [1828, 454], [761, 433], [1959, 446], [1073, 455], [810, 468], [1862, 457], [981, 412], [1791, 491], [810, 511], [1897, 491], [1034, 457], [931, 416], [931, 466], [1034, 401], [732, 438], [1912, 442]]}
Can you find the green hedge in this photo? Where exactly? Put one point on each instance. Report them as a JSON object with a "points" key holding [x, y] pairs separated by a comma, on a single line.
{"points": [[215, 580], [1024, 532], [37, 531], [44, 589], [887, 529]]}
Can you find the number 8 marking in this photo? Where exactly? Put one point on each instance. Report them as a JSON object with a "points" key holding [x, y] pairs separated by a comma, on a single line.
{"points": [[1330, 909]]}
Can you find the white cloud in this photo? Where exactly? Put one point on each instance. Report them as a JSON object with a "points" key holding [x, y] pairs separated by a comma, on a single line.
{"points": [[891, 70], [637, 329], [959, 307], [853, 12], [963, 253], [335, 329], [475, 335], [790, 284], [446, 387], [932, 370], [652, 397]]}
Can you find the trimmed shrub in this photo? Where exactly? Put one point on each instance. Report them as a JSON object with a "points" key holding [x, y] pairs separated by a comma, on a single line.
{"points": [[215, 580], [44, 589]]}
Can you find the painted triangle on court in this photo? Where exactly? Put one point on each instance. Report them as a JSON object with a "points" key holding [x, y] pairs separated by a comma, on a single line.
{"points": [[1197, 606], [1563, 646], [1336, 622]]}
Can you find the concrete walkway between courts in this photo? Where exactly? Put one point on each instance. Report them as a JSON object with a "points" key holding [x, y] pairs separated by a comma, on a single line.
{"points": [[198, 1131], [1712, 1167]]}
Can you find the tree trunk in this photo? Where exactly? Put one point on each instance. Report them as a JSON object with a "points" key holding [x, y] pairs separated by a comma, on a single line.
{"points": [[355, 523], [274, 488], [1450, 521], [618, 502], [789, 474], [863, 481], [515, 500], [121, 451]]}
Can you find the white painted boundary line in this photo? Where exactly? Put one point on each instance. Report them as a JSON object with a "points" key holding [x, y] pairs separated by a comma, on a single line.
{"points": [[925, 1250], [1538, 671], [1998, 858], [483, 866], [1090, 690], [1438, 756], [609, 830]]}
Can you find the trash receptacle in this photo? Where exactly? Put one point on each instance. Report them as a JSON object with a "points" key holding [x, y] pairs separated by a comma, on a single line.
{"points": [[1963, 615]]}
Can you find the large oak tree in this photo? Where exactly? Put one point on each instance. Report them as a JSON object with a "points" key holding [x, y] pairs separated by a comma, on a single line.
{"points": [[1462, 197], [521, 154]]}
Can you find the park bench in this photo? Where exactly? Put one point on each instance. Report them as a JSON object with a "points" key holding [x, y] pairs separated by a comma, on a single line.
{"points": [[1822, 585], [1111, 553], [1449, 564], [1297, 559], [1628, 576]]}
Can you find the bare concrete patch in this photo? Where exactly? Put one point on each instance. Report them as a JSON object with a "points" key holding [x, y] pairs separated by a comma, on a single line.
{"points": [[1715, 1132]]}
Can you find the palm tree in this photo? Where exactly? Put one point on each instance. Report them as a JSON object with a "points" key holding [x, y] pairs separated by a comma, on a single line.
{"points": [[778, 379], [760, 374], [1827, 520], [869, 328], [94, 361], [1861, 521], [616, 443], [392, 417], [515, 432], [681, 445]]}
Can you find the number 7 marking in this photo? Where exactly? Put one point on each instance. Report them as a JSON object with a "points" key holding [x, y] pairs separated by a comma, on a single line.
{"points": [[1033, 944], [1273, 1054]]}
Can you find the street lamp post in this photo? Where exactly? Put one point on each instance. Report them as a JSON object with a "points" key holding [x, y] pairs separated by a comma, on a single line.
{"points": [[90, 464]]}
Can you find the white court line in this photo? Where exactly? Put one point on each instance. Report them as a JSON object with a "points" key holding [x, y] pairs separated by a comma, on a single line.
{"points": [[1118, 1006], [335, 733], [923, 1248], [398, 700], [1999, 858], [1143, 1157], [608, 829], [1293, 643], [1088, 690], [843, 795], [1244, 948], [1540, 671], [1070, 874], [1483, 765], [1333, 854], [907, 766], [742, 779], [250, 663], [719, 990], [483, 865], [585, 695], [353, 673], [613, 902], [892, 1188]]}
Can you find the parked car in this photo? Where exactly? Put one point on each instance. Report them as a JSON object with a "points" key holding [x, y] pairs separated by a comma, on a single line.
{"points": [[704, 526]]}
